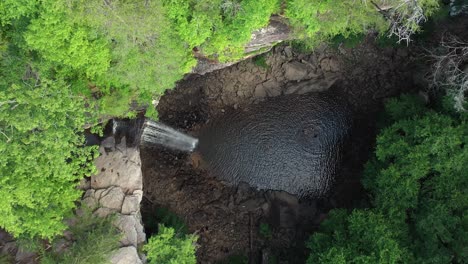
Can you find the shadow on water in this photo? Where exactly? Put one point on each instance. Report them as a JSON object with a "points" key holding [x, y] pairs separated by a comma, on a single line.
{"points": [[291, 143]]}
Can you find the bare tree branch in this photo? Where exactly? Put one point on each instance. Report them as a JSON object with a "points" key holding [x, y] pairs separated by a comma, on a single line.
{"points": [[405, 17], [450, 70]]}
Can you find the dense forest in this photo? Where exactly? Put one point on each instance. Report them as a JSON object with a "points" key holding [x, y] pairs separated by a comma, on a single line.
{"points": [[70, 65]]}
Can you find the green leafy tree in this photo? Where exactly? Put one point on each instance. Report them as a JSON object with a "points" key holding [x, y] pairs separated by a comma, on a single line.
{"points": [[118, 52], [168, 247], [147, 56], [219, 28], [360, 237], [41, 154], [321, 20], [14, 9], [240, 20], [122, 52], [420, 168], [71, 45], [418, 182], [324, 19]]}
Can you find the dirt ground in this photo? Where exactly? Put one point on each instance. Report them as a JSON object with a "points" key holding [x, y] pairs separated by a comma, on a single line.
{"points": [[238, 223]]}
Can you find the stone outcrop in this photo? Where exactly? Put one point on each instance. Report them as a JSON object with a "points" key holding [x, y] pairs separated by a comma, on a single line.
{"points": [[11, 252], [291, 76], [117, 189], [118, 166], [126, 255]]}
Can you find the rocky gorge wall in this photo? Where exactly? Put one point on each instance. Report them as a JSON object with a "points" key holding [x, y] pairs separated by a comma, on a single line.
{"points": [[118, 189]]}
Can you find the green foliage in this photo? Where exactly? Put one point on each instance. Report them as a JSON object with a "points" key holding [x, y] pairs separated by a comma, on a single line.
{"points": [[219, 28], [6, 258], [41, 154], [168, 247], [172, 243], [405, 107], [147, 56], [126, 52], [315, 22], [14, 9], [418, 182], [265, 231], [354, 40], [361, 237], [409, 15], [328, 18], [40, 161], [118, 52], [273, 259], [301, 46], [170, 219], [426, 31], [261, 62], [94, 239], [60, 41], [421, 167], [439, 12]]}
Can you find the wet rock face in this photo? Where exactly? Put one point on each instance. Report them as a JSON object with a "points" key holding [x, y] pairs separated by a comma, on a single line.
{"points": [[291, 143]]}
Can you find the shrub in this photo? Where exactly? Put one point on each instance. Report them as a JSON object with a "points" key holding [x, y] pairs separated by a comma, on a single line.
{"points": [[265, 231], [417, 181], [169, 247], [94, 239], [168, 218], [261, 62]]}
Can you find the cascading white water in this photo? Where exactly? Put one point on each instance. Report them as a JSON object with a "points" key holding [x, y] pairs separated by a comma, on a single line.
{"points": [[160, 134]]}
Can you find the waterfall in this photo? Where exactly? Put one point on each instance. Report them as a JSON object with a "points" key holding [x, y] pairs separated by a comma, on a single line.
{"points": [[160, 134]]}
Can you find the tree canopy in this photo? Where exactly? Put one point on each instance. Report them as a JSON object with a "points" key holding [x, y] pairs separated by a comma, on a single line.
{"points": [[66, 63], [417, 183]]}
